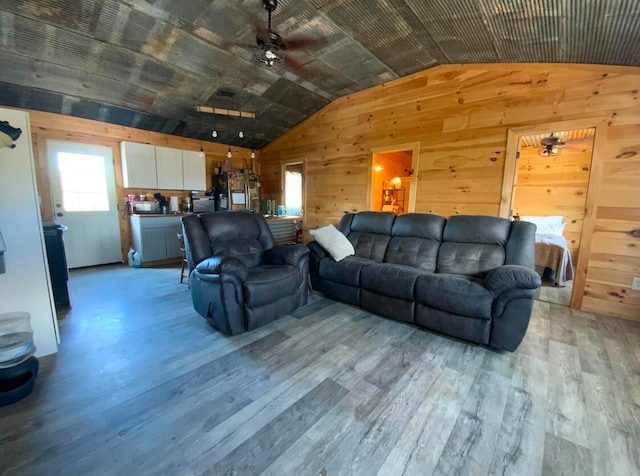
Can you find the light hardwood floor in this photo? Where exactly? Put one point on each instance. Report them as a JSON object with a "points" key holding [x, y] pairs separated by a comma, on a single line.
{"points": [[143, 385]]}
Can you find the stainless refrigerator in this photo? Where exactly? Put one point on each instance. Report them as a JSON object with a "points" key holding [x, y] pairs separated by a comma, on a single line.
{"points": [[239, 190]]}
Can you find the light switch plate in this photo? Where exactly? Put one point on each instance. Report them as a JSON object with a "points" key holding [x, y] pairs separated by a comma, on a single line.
{"points": [[635, 284]]}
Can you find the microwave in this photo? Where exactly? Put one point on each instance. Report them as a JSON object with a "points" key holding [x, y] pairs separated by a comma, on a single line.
{"points": [[150, 206]]}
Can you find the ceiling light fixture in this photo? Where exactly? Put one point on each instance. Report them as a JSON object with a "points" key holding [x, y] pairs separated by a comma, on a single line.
{"points": [[241, 134], [550, 145], [378, 168], [214, 133]]}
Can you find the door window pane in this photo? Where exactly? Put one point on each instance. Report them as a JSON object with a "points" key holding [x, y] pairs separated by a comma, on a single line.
{"points": [[83, 181], [293, 193]]}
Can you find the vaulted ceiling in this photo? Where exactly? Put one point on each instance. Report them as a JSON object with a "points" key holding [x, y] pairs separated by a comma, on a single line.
{"points": [[148, 63]]}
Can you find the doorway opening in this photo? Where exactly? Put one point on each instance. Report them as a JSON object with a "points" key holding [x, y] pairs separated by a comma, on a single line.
{"points": [[83, 190], [549, 180], [293, 188], [393, 179]]}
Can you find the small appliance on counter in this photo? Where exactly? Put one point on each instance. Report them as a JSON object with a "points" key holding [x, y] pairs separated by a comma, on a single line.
{"points": [[148, 206], [204, 204]]}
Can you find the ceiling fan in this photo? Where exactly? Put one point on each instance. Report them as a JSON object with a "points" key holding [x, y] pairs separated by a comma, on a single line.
{"points": [[550, 145], [271, 47]]}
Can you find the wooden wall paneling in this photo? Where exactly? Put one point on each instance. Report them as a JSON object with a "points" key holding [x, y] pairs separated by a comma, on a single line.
{"points": [[462, 116]]}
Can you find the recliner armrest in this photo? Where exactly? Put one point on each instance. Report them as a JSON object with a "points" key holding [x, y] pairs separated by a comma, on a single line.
{"points": [[511, 276], [317, 250], [223, 265], [285, 254]]}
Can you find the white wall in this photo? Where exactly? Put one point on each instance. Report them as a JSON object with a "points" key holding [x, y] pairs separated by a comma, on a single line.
{"points": [[26, 285]]}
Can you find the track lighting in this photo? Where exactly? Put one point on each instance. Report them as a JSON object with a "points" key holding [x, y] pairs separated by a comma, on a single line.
{"points": [[229, 154]]}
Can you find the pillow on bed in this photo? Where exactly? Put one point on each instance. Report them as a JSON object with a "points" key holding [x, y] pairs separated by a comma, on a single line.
{"points": [[551, 224]]}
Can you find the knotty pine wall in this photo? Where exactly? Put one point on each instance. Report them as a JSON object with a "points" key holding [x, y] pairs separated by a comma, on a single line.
{"points": [[555, 185], [48, 126], [461, 115]]}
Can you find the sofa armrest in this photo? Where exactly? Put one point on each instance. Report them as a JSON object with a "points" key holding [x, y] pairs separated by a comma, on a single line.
{"points": [[285, 254], [223, 265], [511, 276], [316, 250]]}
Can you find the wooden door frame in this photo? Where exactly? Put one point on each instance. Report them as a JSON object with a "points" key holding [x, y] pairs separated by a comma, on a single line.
{"points": [[414, 147], [593, 188]]}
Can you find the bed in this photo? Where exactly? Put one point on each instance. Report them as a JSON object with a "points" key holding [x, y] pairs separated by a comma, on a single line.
{"points": [[553, 259]]}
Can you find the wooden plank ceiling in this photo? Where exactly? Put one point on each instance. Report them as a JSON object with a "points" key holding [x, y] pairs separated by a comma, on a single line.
{"points": [[148, 64]]}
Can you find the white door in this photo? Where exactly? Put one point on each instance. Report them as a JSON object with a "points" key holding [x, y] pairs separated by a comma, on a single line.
{"points": [[83, 189]]}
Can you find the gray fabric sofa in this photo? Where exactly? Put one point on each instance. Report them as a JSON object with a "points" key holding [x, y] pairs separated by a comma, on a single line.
{"points": [[470, 277], [240, 280]]}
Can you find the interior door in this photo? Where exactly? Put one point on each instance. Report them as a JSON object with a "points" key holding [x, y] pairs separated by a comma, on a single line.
{"points": [[83, 189]]}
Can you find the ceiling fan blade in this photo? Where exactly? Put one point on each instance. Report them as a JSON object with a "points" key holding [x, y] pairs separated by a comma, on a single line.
{"points": [[292, 64], [305, 43]]}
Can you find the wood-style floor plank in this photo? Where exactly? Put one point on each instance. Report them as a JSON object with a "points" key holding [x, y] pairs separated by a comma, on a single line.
{"points": [[143, 385]]}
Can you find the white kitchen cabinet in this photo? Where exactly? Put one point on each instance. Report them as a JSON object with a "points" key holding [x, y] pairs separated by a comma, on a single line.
{"points": [[193, 171], [155, 237], [169, 168], [138, 165]]}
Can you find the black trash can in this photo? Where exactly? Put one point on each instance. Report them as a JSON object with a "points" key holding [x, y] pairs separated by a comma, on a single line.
{"points": [[57, 260]]}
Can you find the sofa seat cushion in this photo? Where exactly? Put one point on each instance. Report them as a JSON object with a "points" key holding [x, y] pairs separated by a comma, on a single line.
{"points": [[346, 271], [393, 280], [456, 294], [267, 284]]}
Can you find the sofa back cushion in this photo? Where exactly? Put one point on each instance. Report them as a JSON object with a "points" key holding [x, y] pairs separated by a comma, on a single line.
{"points": [[415, 241], [240, 234], [473, 245], [369, 233]]}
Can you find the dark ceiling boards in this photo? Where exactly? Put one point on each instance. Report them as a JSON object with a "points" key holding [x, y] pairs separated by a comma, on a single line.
{"points": [[147, 64]]}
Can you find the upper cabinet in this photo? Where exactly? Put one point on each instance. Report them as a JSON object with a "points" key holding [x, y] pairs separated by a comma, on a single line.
{"points": [[169, 168], [138, 165], [155, 167], [193, 171]]}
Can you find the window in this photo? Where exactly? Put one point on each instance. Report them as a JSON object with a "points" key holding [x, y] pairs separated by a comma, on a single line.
{"points": [[293, 189], [83, 182]]}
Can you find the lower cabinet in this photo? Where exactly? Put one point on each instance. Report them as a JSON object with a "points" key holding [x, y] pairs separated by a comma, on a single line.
{"points": [[155, 237]]}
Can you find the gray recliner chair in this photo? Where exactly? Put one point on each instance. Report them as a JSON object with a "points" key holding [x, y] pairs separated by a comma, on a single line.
{"points": [[239, 279]]}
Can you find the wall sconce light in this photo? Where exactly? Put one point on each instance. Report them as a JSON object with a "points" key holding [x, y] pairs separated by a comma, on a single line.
{"points": [[241, 134], [201, 153], [214, 133], [229, 154], [253, 153]]}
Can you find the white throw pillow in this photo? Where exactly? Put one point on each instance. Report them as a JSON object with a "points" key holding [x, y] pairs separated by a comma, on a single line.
{"points": [[333, 241]]}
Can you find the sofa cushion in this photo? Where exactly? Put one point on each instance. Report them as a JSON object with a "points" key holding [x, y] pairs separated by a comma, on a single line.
{"points": [[250, 252], [477, 229], [469, 259], [473, 245], [456, 294], [266, 284], [333, 242], [369, 232], [346, 271], [389, 279]]}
